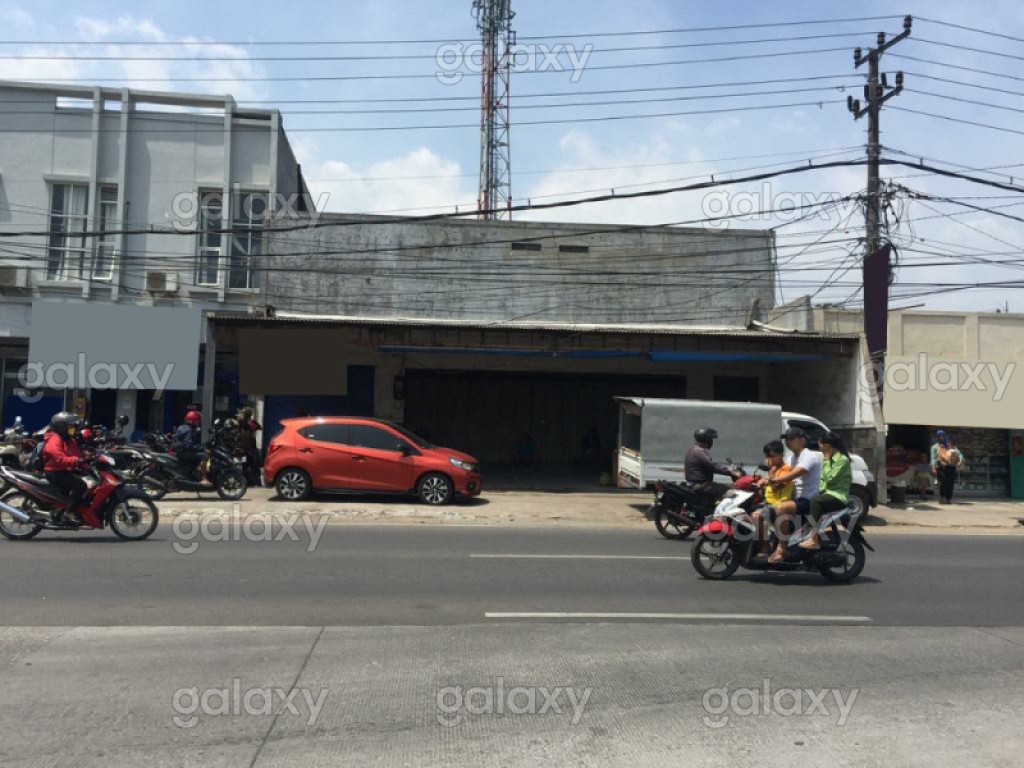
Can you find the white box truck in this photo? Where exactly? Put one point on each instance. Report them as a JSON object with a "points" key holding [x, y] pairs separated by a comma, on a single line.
{"points": [[655, 433]]}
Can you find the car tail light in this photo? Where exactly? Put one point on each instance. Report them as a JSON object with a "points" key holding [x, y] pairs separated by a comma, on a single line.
{"points": [[273, 448]]}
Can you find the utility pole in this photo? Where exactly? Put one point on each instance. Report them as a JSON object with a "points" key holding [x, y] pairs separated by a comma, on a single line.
{"points": [[494, 20], [877, 269], [876, 92]]}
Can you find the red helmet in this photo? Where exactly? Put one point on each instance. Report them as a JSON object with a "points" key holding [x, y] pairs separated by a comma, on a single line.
{"points": [[194, 418]]}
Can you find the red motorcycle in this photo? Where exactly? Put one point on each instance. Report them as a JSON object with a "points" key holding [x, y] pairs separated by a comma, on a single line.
{"points": [[29, 508]]}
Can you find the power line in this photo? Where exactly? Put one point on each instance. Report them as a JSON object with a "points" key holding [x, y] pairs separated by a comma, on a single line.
{"points": [[449, 126], [561, 105], [969, 48], [568, 203], [677, 30], [329, 78], [970, 29], [960, 120], [412, 56], [957, 66]]}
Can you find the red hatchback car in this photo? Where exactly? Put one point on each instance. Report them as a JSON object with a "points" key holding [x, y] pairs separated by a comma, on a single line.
{"points": [[337, 453]]}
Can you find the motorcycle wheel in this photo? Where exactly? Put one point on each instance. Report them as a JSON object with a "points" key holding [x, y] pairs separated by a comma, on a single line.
{"points": [[10, 528], [714, 558], [232, 485], [134, 518], [149, 483], [667, 527], [851, 567]]}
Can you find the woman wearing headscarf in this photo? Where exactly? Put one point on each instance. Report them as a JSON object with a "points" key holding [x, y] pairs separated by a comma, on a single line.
{"points": [[944, 460]]}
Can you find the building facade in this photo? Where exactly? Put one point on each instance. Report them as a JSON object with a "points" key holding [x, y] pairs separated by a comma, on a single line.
{"points": [[482, 334], [110, 187]]}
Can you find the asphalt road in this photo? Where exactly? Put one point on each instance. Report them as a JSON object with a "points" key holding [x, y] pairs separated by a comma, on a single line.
{"points": [[409, 647], [406, 575]]}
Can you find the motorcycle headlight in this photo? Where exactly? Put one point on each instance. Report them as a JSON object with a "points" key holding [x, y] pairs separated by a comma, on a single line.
{"points": [[463, 465]]}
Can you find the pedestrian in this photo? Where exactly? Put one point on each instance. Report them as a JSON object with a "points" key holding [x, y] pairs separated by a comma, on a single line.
{"points": [[945, 458]]}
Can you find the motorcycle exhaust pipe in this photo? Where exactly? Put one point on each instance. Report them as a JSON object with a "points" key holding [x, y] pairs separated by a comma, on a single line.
{"points": [[16, 513]]}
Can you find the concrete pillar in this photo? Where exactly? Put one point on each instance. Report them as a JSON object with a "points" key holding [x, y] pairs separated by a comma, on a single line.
{"points": [[209, 366]]}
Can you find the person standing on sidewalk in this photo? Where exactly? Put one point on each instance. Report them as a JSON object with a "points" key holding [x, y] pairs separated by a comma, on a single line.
{"points": [[945, 458]]}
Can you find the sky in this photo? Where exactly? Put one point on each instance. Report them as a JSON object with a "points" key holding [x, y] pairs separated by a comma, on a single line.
{"points": [[359, 158]]}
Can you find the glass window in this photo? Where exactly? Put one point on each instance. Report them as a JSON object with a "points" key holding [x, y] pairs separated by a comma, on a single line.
{"points": [[66, 254], [211, 208], [327, 433], [106, 246], [247, 240], [365, 436]]}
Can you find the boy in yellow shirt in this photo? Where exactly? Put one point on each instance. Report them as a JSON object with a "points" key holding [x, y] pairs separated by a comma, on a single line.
{"points": [[775, 458]]}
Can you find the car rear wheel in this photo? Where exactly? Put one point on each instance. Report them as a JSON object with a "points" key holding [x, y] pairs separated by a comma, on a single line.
{"points": [[293, 485], [435, 489]]}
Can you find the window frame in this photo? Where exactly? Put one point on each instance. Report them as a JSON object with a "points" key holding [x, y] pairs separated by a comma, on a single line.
{"points": [[70, 260], [207, 253], [245, 250], [106, 219]]}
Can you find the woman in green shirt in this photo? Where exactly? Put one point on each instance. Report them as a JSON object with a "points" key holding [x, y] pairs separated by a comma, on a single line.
{"points": [[834, 488]]}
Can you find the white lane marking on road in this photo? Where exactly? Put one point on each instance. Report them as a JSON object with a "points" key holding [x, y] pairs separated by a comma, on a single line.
{"points": [[583, 557], [683, 616]]}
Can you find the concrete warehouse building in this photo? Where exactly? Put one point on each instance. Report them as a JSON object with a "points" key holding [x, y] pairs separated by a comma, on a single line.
{"points": [[480, 332]]}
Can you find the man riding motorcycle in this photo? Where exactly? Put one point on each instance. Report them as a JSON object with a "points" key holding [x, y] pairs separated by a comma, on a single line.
{"points": [[188, 446], [62, 458], [700, 469]]}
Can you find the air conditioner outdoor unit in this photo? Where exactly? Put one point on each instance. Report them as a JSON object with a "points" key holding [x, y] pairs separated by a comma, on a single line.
{"points": [[13, 277], [162, 282]]}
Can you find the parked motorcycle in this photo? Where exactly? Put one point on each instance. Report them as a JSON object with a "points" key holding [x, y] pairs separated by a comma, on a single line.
{"points": [[162, 473], [729, 540], [29, 507], [678, 510]]}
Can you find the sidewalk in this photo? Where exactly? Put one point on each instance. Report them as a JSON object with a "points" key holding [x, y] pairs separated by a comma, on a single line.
{"points": [[598, 509], [994, 515]]}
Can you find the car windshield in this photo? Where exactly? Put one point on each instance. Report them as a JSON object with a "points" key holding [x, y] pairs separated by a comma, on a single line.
{"points": [[415, 439]]}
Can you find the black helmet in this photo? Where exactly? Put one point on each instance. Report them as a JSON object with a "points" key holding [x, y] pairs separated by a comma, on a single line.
{"points": [[61, 421], [705, 435]]}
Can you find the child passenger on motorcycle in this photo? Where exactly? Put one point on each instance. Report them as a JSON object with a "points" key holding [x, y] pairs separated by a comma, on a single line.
{"points": [[775, 458]]}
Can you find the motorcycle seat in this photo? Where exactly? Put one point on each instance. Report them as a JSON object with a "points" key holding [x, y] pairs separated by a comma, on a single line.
{"points": [[28, 477]]}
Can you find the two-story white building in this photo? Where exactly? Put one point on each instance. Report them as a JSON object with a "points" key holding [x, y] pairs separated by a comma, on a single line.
{"points": [[102, 194]]}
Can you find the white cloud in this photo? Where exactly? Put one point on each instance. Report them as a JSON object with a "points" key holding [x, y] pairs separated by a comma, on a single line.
{"points": [[417, 182], [71, 61], [16, 17]]}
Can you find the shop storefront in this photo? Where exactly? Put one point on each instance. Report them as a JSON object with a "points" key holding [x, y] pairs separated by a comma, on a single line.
{"points": [[985, 471]]}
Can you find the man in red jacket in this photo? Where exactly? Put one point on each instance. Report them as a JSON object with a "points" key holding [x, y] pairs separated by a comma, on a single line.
{"points": [[61, 459]]}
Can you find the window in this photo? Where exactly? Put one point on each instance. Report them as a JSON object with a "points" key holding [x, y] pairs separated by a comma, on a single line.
{"points": [[211, 209], [327, 433], [106, 245], [247, 240], [66, 251], [365, 436], [574, 249], [526, 246]]}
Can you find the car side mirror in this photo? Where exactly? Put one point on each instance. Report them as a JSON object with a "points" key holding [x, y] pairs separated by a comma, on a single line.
{"points": [[403, 448]]}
